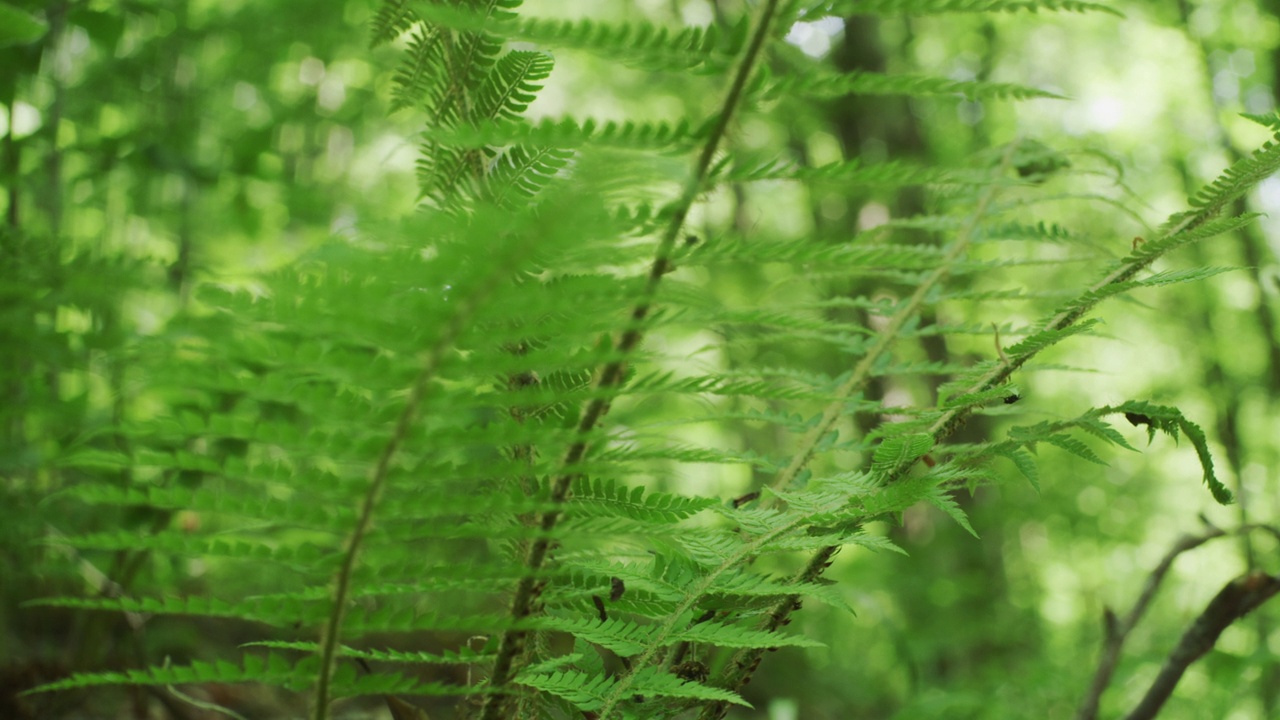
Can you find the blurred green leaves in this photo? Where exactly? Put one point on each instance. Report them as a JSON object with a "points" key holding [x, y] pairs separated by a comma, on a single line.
{"points": [[18, 27]]}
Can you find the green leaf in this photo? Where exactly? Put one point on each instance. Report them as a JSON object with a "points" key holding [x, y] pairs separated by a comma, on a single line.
{"points": [[1039, 341], [869, 83], [19, 28], [942, 500], [1075, 447], [934, 7], [894, 452], [1026, 464]]}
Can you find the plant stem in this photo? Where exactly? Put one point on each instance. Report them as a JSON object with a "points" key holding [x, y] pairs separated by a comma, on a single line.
{"points": [[744, 663], [612, 375], [436, 355]]}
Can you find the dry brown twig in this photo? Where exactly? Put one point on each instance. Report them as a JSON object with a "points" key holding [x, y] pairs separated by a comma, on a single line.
{"points": [[1236, 599]]}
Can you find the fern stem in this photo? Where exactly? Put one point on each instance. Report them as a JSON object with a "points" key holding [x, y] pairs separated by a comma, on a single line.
{"points": [[744, 663], [694, 594], [885, 338], [611, 376], [342, 584], [364, 521], [950, 420]]}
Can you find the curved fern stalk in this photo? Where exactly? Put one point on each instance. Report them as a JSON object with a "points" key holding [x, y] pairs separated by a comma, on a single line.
{"points": [[1182, 228], [829, 85], [745, 661], [611, 376], [861, 375], [331, 635]]}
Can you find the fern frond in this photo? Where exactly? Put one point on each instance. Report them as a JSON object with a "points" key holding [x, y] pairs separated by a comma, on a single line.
{"points": [[1025, 463], [568, 133], [1171, 421], [393, 18], [275, 669], [869, 83], [280, 611], [462, 656], [1236, 180], [643, 44], [854, 173], [1202, 231], [599, 495], [935, 7], [418, 80], [1270, 121], [511, 85], [521, 172], [589, 693], [943, 501], [1043, 339]]}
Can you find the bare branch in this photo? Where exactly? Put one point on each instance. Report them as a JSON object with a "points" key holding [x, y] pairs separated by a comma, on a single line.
{"points": [[1237, 599], [1116, 629]]}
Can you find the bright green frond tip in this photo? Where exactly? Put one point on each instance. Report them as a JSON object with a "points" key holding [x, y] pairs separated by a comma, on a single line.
{"points": [[1269, 120], [1171, 421], [1237, 180]]}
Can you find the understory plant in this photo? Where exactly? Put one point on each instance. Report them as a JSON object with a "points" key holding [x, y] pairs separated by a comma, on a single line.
{"points": [[577, 422]]}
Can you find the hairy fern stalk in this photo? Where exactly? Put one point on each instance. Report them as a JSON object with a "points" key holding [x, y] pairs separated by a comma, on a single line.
{"points": [[464, 429]]}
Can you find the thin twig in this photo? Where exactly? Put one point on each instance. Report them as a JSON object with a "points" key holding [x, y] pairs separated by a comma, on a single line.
{"points": [[1236, 599], [1116, 630]]}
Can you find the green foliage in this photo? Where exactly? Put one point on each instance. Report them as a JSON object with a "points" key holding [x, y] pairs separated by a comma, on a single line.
{"points": [[931, 7], [17, 27], [450, 427], [824, 86]]}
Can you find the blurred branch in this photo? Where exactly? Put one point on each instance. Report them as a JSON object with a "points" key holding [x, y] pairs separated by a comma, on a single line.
{"points": [[1116, 630], [1237, 599]]}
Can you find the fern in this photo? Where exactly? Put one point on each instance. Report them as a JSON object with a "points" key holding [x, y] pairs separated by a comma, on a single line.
{"points": [[817, 85], [932, 7], [461, 409]]}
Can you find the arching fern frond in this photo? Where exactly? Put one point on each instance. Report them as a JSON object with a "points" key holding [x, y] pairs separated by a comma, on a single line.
{"points": [[510, 86], [467, 407], [639, 43], [829, 85], [393, 18], [1236, 180], [936, 7], [629, 135]]}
